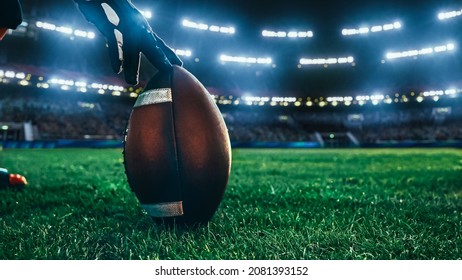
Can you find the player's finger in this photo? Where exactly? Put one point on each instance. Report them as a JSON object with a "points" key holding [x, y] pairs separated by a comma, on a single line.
{"points": [[116, 54], [131, 63], [154, 54], [169, 53]]}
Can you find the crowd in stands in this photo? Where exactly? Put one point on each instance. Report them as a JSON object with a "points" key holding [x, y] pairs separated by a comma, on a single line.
{"points": [[57, 116], [66, 118]]}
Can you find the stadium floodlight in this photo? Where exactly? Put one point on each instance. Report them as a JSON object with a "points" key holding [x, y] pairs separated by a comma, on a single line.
{"points": [[84, 34], [250, 98], [254, 100], [363, 30], [10, 74], [80, 33], [81, 84], [440, 92], [284, 99], [45, 25], [339, 99], [363, 98], [432, 93], [61, 82], [246, 60], [20, 75], [452, 91], [287, 34], [325, 61], [374, 29], [24, 83], [181, 52], [227, 30], [449, 15], [146, 13], [213, 28], [65, 30], [377, 98], [192, 24], [425, 51], [377, 28]]}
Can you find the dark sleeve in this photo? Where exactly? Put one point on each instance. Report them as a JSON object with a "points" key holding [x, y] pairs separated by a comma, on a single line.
{"points": [[10, 14]]}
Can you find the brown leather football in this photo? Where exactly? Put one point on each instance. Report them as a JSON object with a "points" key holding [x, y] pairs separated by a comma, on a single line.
{"points": [[177, 152]]}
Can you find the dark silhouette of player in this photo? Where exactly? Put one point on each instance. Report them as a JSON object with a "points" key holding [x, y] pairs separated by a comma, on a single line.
{"points": [[127, 33]]}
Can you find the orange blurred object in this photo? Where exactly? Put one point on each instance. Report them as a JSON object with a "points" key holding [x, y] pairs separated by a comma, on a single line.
{"points": [[16, 179]]}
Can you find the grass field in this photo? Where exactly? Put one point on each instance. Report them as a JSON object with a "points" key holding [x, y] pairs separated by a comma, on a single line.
{"points": [[280, 204]]}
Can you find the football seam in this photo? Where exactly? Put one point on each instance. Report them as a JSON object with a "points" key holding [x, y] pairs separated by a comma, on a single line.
{"points": [[175, 142], [175, 145]]}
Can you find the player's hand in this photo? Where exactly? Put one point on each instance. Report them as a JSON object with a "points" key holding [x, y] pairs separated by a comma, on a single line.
{"points": [[128, 34], [10, 16]]}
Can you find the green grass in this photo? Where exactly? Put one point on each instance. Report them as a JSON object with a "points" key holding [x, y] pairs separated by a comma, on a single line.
{"points": [[280, 204]]}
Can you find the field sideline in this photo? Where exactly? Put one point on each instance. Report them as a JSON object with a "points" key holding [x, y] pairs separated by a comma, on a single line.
{"points": [[280, 204]]}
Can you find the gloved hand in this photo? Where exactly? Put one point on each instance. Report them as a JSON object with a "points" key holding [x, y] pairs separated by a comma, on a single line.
{"points": [[128, 34]]}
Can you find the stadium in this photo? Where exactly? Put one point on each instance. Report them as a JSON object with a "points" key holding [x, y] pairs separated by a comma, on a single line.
{"points": [[345, 121]]}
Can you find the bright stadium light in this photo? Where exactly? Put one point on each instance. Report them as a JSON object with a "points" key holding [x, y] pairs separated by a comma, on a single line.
{"points": [[324, 61], [449, 15], [80, 84], [373, 29], [213, 28], [377, 97], [339, 99], [377, 28], [80, 33], [181, 52], [147, 14], [246, 60], [84, 34], [363, 30], [45, 25], [227, 30], [287, 34], [65, 30], [192, 24], [10, 74], [20, 75], [424, 51]]}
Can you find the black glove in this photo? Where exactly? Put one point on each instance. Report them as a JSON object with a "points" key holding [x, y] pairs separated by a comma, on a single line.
{"points": [[10, 16], [128, 34]]}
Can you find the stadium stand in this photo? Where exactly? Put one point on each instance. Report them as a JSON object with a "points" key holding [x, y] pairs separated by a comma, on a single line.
{"points": [[79, 116]]}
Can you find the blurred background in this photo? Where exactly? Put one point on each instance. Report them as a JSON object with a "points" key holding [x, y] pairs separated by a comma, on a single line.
{"points": [[293, 73]]}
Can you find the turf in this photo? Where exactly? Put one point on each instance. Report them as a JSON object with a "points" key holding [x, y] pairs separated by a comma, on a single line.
{"points": [[280, 204]]}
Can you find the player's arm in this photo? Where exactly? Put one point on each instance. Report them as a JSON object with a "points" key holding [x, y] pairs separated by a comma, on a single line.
{"points": [[10, 16], [128, 34]]}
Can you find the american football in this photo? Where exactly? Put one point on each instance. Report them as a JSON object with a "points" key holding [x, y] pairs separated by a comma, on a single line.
{"points": [[177, 150]]}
